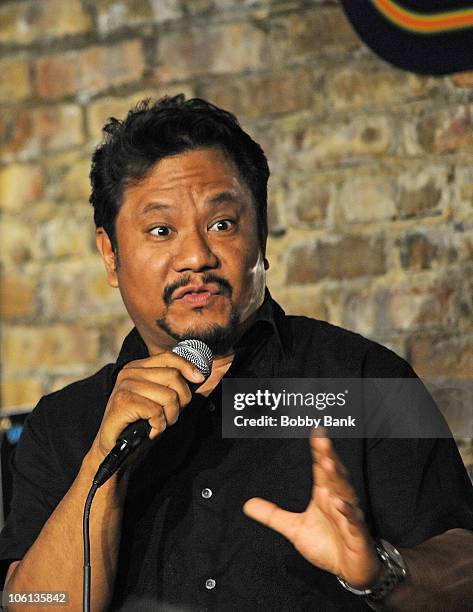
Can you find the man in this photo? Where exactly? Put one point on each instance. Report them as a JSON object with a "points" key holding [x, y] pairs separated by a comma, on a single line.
{"points": [[179, 193]]}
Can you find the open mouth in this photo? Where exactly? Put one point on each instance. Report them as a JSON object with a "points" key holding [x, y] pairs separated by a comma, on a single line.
{"points": [[195, 290], [193, 293], [200, 298]]}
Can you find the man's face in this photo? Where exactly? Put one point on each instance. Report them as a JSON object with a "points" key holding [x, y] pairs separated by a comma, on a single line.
{"points": [[189, 260]]}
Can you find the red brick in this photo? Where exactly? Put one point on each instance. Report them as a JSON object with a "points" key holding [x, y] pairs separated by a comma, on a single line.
{"points": [[311, 33], [17, 296], [446, 130], [417, 252], [274, 221], [68, 233], [420, 250], [90, 70], [78, 289], [259, 95], [300, 201], [345, 257], [28, 133], [367, 198], [307, 200], [15, 84], [408, 306], [217, 49], [19, 241], [302, 303], [421, 201], [113, 15], [373, 84], [25, 22], [422, 305], [328, 143], [100, 110], [462, 79], [20, 185], [442, 357], [68, 177], [20, 393], [39, 347], [364, 310], [117, 332], [303, 199]]}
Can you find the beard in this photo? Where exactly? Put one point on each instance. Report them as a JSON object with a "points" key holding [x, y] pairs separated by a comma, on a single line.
{"points": [[219, 338]]}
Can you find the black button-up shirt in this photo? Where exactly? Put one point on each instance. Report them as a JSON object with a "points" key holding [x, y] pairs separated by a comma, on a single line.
{"points": [[186, 544]]}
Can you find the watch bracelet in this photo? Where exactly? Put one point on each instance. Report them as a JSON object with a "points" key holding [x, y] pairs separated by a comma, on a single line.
{"points": [[388, 580]]}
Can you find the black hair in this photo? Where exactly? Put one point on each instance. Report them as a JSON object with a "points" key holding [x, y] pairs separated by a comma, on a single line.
{"points": [[169, 126]]}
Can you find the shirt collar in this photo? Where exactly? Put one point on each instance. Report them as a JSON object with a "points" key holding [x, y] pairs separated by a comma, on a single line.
{"points": [[270, 316]]}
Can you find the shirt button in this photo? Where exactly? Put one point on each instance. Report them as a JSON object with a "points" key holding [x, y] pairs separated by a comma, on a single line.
{"points": [[206, 494], [211, 406], [210, 584]]}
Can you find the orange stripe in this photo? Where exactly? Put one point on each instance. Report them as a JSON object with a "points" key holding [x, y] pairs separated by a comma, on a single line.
{"points": [[435, 22]]}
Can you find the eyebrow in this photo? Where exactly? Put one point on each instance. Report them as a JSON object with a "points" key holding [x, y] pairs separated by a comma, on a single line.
{"points": [[220, 198], [224, 197], [156, 206]]}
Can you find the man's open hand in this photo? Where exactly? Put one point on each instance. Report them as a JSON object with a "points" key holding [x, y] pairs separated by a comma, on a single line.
{"points": [[331, 533]]}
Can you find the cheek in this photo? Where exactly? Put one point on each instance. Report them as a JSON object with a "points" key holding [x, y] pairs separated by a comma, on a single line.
{"points": [[255, 272], [246, 261], [253, 286], [140, 260], [142, 278]]}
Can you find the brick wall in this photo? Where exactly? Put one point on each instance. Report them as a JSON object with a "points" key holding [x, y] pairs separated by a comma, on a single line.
{"points": [[372, 189]]}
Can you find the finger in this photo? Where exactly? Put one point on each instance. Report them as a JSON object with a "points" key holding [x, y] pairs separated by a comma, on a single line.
{"points": [[350, 521], [327, 469], [322, 446], [156, 383], [336, 481], [127, 408], [352, 512], [328, 479], [271, 515], [165, 397], [169, 360], [158, 424]]}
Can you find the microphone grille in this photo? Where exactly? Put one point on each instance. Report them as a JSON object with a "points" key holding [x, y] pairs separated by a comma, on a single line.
{"points": [[197, 352]]}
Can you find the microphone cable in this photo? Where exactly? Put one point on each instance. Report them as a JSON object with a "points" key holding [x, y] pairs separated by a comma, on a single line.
{"points": [[200, 355], [86, 537]]}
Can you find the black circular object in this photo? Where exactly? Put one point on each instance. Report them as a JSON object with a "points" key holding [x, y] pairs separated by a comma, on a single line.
{"points": [[428, 36]]}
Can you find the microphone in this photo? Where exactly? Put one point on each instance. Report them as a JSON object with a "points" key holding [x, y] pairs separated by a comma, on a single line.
{"points": [[200, 355]]}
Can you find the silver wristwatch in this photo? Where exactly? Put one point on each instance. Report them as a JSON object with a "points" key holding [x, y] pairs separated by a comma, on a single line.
{"points": [[393, 572]]}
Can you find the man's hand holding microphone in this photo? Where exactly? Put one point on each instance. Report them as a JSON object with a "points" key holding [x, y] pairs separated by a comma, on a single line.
{"points": [[149, 395]]}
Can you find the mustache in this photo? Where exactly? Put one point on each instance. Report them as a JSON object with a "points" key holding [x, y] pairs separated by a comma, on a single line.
{"points": [[224, 286]]}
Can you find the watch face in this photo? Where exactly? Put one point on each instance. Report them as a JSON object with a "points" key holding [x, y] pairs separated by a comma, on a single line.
{"points": [[394, 554]]}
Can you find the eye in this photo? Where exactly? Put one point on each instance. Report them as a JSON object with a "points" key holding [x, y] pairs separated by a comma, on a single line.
{"points": [[161, 231], [222, 225]]}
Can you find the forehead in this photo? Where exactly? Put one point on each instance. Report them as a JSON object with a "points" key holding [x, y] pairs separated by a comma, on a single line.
{"points": [[200, 172]]}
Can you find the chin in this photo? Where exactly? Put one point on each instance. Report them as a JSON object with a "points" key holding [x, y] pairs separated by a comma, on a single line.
{"points": [[219, 336]]}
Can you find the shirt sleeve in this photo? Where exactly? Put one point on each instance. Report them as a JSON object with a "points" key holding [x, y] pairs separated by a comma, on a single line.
{"points": [[38, 486], [418, 487]]}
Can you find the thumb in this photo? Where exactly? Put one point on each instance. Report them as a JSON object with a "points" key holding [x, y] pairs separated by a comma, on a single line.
{"points": [[271, 515]]}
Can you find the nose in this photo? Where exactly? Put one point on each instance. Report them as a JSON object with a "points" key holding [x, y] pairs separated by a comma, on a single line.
{"points": [[194, 253]]}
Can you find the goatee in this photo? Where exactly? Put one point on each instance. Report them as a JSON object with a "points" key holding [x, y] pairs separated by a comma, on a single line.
{"points": [[219, 338]]}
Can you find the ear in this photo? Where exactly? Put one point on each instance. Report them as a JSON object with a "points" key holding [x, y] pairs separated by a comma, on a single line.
{"points": [[266, 264], [104, 246]]}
